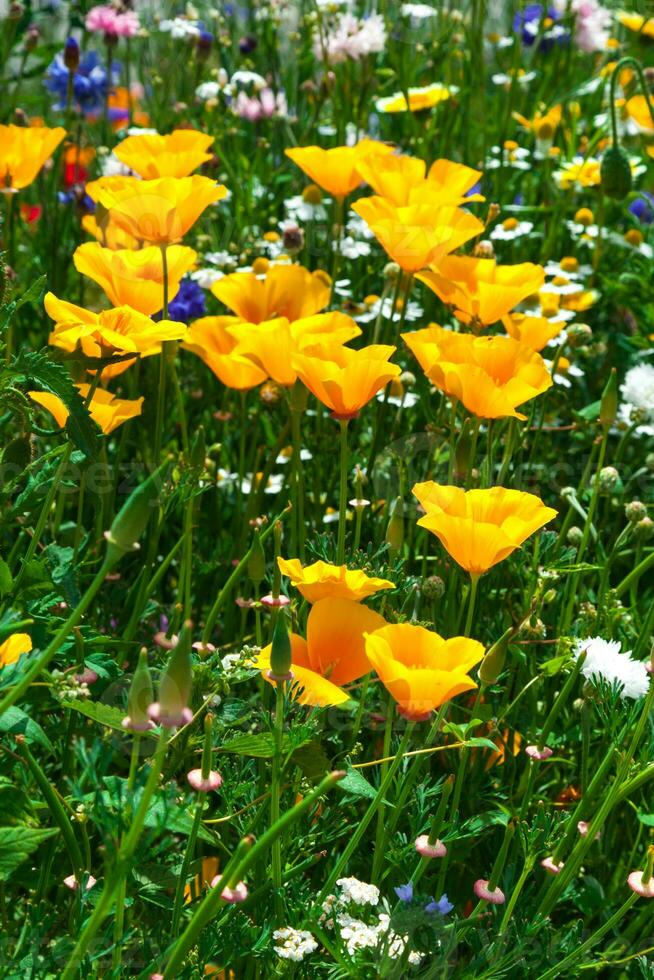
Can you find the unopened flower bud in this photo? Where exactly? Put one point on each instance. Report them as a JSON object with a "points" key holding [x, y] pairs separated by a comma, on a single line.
{"points": [[140, 697], [71, 54], [293, 239], [579, 334], [635, 511], [644, 528], [609, 478], [131, 520], [484, 249], [280, 650], [256, 560], [391, 271], [172, 709], [395, 528], [432, 587], [247, 44]]}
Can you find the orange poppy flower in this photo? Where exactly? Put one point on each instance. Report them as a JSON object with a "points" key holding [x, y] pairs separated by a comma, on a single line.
{"points": [[479, 528], [532, 331], [419, 669], [344, 379], [210, 339], [480, 290], [491, 376], [285, 290], [271, 345], [333, 653], [157, 211], [416, 235], [638, 110], [323, 581], [336, 170], [107, 232], [401, 180], [176, 155], [14, 647], [107, 411], [23, 151], [134, 277], [118, 331]]}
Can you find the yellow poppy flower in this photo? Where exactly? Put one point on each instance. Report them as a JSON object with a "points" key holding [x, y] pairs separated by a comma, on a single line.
{"points": [[134, 277], [551, 118], [271, 345], [14, 647], [335, 170], [118, 331], [105, 409], [638, 110], [344, 379], [479, 528], [532, 331], [157, 211], [401, 180], [176, 155], [419, 99], [322, 580], [416, 235], [491, 376], [290, 291], [210, 339], [419, 669], [23, 151], [480, 290], [641, 25], [107, 232]]}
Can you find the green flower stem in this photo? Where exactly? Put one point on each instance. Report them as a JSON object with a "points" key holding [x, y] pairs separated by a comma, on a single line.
{"points": [[635, 574], [472, 596], [121, 865], [56, 809], [186, 863], [435, 829], [246, 855], [298, 528], [558, 970], [119, 922], [342, 496], [40, 663], [364, 823], [275, 793], [146, 588], [381, 816], [560, 700], [515, 894], [161, 385], [412, 775]]}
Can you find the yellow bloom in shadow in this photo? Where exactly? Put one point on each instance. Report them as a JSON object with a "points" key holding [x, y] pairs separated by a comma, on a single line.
{"points": [[107, 411], [176, 155], [23, 151], [322, 580], [335, 170], [285, 290], [14, 647], [345, 380], [157, 211], [480, 290], [479, 528], [134, 277], [532, 331], [491, 376], [107, 232], [419, 669], [416, 235], [210, 339]]}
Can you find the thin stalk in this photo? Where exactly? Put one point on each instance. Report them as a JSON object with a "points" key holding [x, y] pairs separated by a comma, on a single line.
{"points": [[342, 496]]}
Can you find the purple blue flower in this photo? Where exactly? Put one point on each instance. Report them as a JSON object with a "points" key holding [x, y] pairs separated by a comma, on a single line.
{"points": [[642, 208], [404, 892], [528, 22], [89, 82], [189, 302], [442, 906]]}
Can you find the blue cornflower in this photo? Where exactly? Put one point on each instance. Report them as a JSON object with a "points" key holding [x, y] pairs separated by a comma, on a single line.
{"points": [[528, 22], [404, 892], [442, 906], [89, 82], [189, 302], [643, 208]]}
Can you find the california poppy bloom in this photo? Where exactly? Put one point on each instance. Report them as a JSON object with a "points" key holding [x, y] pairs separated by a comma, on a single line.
{"points": [[107, 411], [134, 277], [491, 376], [480, 290], [416, 235], [285, 290], [14, 647], [107, 232], [345, 380], [210, 339], [479, 528], [419, 669], [118, 331], [322, 580], [420, 99], [532, 331], [272, 345], [176, 155], [404, 180], [23, 151], [333, 653], [157, 211], [335, 170]]}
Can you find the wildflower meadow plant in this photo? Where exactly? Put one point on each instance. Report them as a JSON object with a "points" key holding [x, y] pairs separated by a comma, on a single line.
{"points": [[326, 470]]}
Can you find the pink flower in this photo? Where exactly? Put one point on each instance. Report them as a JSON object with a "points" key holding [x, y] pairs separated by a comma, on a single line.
{"points": [[538, 754], [495, 896], [584, 827], [177, 720], [552, 866], [236, 894], [271, 600], [636, 883], [105, 20], [435, 850], [72, 883], [213, 781]]}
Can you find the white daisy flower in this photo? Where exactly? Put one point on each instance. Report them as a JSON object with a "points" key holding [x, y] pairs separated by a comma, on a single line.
{"points": [[511, 229], [605, 660]]}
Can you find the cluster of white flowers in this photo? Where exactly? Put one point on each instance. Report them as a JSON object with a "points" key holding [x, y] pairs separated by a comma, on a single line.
{"points": [[605, 660], [349, 37], [354, 932], [180, 27], [295, 943], [638, 389], [359, 892], [418, 11]]}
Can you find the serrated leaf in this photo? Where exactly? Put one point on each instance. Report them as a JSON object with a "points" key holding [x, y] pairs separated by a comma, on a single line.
{"points": [[356, 784], [63, 571], [15, 721], [256, 746], [17, 843], [31, 295], [103, 714]]}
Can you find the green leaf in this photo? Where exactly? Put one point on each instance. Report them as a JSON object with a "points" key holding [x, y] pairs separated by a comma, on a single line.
{"points": [[32, 295], [103, 714], [357, 785], [646, 818], [14, 721], [16, 844], [256, 746], [63, 571], [6, 578], [312, 760], [36, 369]]}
